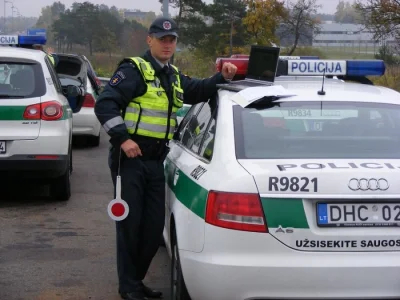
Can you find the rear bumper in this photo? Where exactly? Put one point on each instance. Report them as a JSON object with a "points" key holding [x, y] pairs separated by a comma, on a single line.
{"points": [[85, 123], [32, 167], [244, 266]]}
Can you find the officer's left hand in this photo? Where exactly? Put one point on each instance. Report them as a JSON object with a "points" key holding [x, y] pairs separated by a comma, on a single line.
{"points": [[228, 70]]}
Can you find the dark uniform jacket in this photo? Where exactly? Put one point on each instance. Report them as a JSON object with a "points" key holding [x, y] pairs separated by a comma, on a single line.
{"points": [[115, 98]]}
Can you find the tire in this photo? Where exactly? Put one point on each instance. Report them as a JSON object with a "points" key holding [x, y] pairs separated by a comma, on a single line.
{"points": [[93, 141], [178, 286], [60, 188]]}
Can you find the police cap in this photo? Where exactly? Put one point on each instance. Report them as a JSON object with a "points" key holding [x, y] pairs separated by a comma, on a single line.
{"points": [[162, 27]]}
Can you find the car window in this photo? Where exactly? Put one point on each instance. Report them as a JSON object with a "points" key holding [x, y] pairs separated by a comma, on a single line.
{"points": [[69, 81], [54, 76], [21, 79], [184, 123], [197, 128], [310, 130], [207, 146]]}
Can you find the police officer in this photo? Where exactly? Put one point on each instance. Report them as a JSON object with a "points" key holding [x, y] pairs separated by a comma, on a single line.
{"points": [[52, 57], [137, 109]]}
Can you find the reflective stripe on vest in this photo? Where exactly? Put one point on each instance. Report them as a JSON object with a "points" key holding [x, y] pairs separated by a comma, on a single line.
{"points": [[147, 115]]}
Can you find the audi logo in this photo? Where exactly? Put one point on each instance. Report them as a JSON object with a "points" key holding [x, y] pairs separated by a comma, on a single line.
{"points": [[368, 184]]}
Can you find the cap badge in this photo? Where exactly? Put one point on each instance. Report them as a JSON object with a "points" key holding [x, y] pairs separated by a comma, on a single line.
{"points": [[167, 25]]}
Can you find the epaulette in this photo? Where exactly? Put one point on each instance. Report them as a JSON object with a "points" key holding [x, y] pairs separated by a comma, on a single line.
{"points": [[126, 60]]}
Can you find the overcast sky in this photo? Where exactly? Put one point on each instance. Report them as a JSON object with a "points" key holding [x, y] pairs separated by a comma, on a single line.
{"points": [[33, 7]]}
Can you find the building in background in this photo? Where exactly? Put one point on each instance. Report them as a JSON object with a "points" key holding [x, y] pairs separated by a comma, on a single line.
{"points": [[137, 15], [352, 36]]}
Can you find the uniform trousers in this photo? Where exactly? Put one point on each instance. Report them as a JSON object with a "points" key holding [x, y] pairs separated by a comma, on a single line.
{"points": [[138, 236]]}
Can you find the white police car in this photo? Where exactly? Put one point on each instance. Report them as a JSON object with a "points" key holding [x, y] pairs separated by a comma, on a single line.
{"points": [[35, 117], [287, 192]]}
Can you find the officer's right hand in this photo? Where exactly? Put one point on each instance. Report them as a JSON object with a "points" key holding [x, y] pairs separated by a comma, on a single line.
{"points": [[131, 149]]}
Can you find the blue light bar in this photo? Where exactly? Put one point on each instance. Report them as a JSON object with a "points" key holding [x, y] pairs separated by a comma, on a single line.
{"points": [[32, 40], [365, 67], [313, 67], [22, 40]]}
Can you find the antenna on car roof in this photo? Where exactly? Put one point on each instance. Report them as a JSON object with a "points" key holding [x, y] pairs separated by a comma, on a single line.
{"points": [[322, 92]]}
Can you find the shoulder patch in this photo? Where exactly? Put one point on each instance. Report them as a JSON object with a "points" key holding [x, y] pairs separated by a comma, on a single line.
{"points": [[120, 73], [117, 78]]}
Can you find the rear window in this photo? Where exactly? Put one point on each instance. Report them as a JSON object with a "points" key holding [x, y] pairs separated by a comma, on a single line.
{"points": [[21, 80], [70, 65], [318, 130]]}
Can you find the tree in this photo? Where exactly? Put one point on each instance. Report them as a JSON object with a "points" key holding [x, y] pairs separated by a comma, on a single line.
{"points": [[99, 28], [381, 16], [300, 22], [347, 13], [263, 18], [227, 27], [185, 8], [50, 14]]}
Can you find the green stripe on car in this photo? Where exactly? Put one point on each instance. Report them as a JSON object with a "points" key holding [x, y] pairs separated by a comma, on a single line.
{"points": [[188, 192], [12, 113], [288, 213]]}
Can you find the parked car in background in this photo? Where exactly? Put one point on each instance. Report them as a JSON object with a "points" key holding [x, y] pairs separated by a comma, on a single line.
{"points": [[36, 119], [73, 69]]}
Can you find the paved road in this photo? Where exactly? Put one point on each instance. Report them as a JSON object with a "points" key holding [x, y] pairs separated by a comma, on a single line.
{"points": [[65, 251]]}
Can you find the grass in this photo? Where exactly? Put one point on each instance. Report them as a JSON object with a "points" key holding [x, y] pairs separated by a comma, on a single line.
{"points": [[390, 79]]}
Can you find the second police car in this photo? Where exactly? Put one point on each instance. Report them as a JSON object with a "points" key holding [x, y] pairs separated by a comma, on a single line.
{"points": [[287, 190], [35, 117]]}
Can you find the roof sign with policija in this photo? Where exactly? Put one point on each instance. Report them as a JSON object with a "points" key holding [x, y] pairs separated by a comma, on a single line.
{"points": [[312, 66]]}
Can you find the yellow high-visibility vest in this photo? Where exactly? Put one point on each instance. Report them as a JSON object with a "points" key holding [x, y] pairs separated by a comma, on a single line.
{"points": [[147, 115]]}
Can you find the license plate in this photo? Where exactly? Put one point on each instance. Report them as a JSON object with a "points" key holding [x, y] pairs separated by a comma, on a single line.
{"points": [[2, 147], [358, 214]]}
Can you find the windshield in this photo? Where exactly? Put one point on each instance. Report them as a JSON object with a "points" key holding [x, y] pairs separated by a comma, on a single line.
{"points": [[318, 130], [21, 80]]}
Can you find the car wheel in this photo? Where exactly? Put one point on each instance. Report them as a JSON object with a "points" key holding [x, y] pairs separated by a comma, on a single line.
{"points": [[93, 141], [178, 286], [60, 188]]}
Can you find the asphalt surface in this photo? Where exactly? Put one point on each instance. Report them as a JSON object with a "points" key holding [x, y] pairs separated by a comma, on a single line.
{"points": [[65, 251]]}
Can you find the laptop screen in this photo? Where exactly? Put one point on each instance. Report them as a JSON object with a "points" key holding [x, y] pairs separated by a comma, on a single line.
{"points": [[263, 63]]}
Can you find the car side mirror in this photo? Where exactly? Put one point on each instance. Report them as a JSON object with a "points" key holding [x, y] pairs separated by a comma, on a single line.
{"points": [[76, 97]]}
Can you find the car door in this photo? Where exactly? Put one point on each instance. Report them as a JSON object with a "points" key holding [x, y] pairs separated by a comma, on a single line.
{"points": [[186, 164], [170, 161], [72, 70]]}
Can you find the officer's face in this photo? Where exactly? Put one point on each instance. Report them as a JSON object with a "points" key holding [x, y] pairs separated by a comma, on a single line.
{"points": [[162, 48]]}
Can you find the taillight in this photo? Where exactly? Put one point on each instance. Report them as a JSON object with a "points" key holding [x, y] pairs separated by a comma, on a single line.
{"points": [[235, 211], [47, 111], [51, 111], [32, 112], [89, 101]]}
